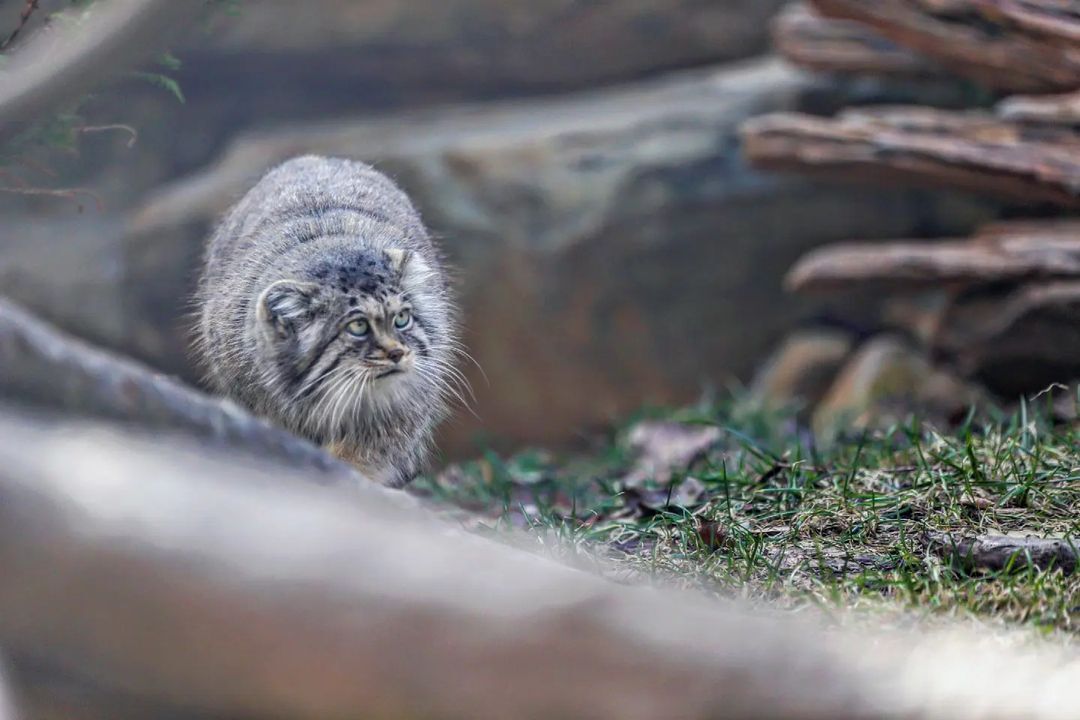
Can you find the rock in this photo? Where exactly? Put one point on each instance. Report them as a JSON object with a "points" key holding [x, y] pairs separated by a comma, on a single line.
{"points": [[464, 49], [1005, 252], [972, 151], [1015, 340], [973, 39], [44, 368], [917, 315], [802, 369], [276, 61], [883, 382], [609, 245]]}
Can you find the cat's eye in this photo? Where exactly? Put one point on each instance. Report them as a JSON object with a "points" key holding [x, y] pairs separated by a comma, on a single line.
{"points": [[358, 327], [402, 319]]}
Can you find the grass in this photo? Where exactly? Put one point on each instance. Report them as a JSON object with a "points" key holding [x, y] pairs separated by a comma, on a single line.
{"points": [[764, 514]]}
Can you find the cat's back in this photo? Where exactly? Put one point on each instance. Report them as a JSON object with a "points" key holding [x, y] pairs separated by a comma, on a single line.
{"points": [[305, 198]]}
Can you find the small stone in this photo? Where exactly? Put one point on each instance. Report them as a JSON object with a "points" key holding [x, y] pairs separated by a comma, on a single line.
{"points": [[883, 382], [802, 369]]}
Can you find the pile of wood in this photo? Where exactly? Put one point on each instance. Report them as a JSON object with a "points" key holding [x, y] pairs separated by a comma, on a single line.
{"points": [[1003, 307]]}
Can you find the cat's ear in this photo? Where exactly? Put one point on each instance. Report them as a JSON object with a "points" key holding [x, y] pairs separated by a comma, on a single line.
{"points": [[399, 259], [286, 306]]}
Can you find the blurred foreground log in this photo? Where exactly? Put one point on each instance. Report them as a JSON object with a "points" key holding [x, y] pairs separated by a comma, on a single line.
{"points": [[969, 151], [1008, 45], [813, 41], [41, 366], [221, 591], [1004, 252]]}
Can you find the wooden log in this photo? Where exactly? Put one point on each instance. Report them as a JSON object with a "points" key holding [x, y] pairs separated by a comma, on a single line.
{"points": [[1048, 109], [1006, 552], [1005, 252], [1053, 21], [1001, 57], [808, 39], [973, 151], [183, 577], [41, 366]]}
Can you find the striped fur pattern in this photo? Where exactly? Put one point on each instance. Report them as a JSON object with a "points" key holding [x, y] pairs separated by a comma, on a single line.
{"points": [[324, 305]]}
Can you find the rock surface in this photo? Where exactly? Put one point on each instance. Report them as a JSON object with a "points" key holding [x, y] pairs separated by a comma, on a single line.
{"points": [[475, 47], [276, 61]]}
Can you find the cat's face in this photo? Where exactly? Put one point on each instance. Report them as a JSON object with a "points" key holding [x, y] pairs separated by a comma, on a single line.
{"points": [[351, 334]]}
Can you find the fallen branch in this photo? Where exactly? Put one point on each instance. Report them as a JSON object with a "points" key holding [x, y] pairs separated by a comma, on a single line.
{"points": [[273, 599], [40, 366], [1006, 552]]}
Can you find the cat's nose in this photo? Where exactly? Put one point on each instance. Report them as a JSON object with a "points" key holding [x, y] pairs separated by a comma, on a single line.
{"points": [[396, 354]]}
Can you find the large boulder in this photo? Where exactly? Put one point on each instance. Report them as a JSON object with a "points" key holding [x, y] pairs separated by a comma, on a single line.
{"points": [[274, 61], [612, 247], [388, 49]]}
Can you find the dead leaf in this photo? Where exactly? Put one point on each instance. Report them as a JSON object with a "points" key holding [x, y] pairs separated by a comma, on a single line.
{"points": [[665, 447]]}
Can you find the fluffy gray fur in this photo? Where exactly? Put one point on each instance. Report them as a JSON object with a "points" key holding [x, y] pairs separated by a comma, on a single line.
{"points": [[316, 250]]}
